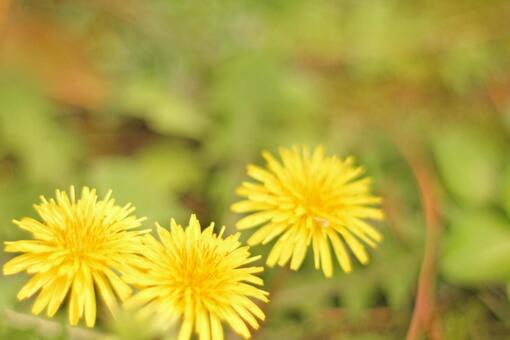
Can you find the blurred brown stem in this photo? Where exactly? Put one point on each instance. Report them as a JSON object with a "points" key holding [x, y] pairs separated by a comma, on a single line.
{"points": [[46, 327], [425, 317]]}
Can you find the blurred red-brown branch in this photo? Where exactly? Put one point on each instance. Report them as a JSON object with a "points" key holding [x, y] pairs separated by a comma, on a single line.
{"points": [[425, 316]]}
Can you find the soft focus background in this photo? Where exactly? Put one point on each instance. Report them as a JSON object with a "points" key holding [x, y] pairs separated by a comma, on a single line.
{"points": [[165, 102]]}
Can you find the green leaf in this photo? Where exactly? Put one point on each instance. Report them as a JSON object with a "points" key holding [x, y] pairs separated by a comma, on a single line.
{"points": [[358, 292], [398, 285], [170, 165], [165, 111], [152, 180], [469, 163], [29, 131], [122, 175], [15, 202], [477, 249]]}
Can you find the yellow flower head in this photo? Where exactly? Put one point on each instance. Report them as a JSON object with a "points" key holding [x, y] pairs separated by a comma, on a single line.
{"points": [[200, 277], [309, 198], [77, 243]]}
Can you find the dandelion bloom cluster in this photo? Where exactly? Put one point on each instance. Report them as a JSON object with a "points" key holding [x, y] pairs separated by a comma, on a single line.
{"points": [[307, 197], [78, 244], [199, 277]]}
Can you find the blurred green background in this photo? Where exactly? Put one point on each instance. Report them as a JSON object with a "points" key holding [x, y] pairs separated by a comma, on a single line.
{"points": [[165, 102]]}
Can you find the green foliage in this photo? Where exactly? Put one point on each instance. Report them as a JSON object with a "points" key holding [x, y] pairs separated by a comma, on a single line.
{"points": [[29, 132], [152, 179], [476, 254], [192, 92], [473, 174], [164, 111]]}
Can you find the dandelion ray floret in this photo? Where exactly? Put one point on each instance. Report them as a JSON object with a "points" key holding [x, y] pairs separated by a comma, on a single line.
{"points": [[308, 198]]}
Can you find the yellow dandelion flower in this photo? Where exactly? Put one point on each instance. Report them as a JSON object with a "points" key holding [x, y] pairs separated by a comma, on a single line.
{"points": [[77, 244], [306, 198], [199, 277]]}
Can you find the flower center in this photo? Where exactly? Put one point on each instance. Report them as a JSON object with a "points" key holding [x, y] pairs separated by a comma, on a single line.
{"points": [[200, 276], [313, 199], [321, 221], [80, 240]]}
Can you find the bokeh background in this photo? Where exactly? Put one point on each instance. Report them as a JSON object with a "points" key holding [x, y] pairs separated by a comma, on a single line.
{"points": [[165, 102]]}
